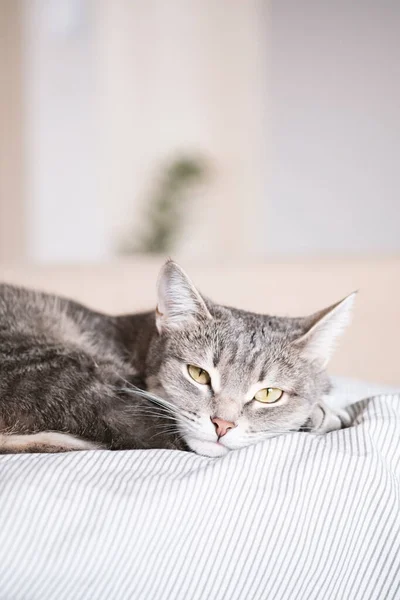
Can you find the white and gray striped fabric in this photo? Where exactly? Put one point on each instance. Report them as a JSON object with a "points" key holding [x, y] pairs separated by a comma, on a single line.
{"points": [[297, 517]]}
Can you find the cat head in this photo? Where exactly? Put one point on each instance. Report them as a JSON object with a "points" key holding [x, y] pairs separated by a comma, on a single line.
{"points": [[235, 377]]}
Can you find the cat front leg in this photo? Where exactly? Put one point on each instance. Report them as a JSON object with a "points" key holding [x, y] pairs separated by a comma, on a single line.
{"points": [[325, 419]]}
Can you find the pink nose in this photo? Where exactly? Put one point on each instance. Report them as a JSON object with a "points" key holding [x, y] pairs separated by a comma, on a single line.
{"points": [[222, 427]]}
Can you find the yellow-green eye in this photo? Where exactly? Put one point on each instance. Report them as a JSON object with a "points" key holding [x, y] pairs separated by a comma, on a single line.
{"points": [[199, 375], [268, 395]]}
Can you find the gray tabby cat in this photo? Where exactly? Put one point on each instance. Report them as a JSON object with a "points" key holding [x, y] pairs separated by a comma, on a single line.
{"points": [[215, 378]]}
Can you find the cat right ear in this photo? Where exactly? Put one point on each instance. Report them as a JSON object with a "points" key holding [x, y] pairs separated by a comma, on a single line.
{"points": [[323, 328], [178, 301]]}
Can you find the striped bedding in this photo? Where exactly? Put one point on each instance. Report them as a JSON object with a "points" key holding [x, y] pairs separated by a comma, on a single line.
{"points": [[296, 517]]}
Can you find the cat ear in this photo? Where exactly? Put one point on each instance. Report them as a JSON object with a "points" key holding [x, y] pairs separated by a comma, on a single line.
{"points": [[178, 301], [323, 329]]}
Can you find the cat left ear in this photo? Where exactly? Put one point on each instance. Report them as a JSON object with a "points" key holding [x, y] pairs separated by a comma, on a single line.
{"points": [[323, 328], [178, 301]]}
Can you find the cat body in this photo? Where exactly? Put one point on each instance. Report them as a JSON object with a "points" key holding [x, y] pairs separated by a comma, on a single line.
{"points": [[64, 368], [72, 378]]}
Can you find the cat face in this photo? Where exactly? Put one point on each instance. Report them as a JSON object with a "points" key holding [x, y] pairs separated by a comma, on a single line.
{"points": [[233, 377]]}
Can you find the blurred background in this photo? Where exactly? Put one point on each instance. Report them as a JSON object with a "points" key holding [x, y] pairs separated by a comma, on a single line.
{"points": [[222, 132], [270, 128]]}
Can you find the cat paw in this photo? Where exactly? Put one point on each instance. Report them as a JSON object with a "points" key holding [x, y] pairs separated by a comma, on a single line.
{"points": [[324, 419]]}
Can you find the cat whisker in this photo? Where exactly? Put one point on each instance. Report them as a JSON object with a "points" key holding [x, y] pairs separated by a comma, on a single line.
{"points": [[157, 416], [265, 435], [171, 432], [150, 411], [148, 395], [160, 402], [168, 430], [163, 416]]}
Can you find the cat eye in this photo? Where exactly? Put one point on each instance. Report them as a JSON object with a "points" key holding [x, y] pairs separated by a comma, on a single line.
{"points": [[199, 375], [268, 395]]}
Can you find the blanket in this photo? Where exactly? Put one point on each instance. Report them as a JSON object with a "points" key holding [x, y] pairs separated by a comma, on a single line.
{"points": [[297, 517]]}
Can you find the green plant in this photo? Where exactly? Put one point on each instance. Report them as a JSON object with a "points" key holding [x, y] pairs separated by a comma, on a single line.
{"points": [[164, 209]]}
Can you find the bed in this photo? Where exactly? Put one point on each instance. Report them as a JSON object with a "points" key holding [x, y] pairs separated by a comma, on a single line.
{"points": [[299, 516]]}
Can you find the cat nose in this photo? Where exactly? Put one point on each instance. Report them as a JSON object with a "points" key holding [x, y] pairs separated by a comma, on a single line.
{"points": [[222, 427]]}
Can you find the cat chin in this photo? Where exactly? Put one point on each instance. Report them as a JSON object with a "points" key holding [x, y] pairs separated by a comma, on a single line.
{"points": [[204, 448]]}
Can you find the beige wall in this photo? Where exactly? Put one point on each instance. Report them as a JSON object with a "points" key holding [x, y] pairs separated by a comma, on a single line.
{"points": [[12, 180]]}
